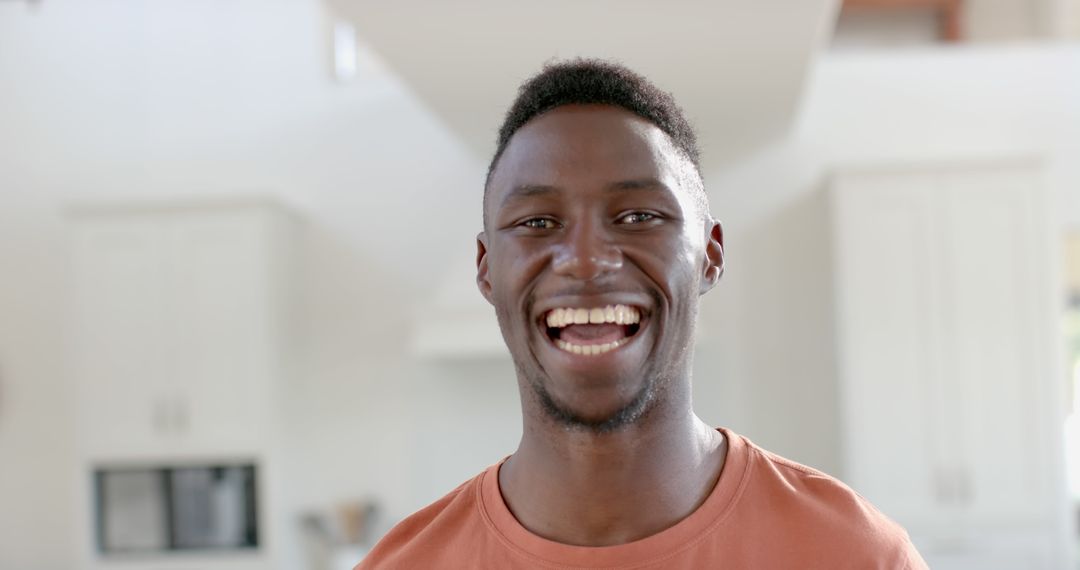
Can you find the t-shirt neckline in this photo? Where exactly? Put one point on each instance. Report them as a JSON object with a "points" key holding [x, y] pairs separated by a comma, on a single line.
{"points": [[649, 550]]}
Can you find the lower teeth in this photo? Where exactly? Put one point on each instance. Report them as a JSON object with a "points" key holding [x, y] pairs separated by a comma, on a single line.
{"points": [[590, 349]]}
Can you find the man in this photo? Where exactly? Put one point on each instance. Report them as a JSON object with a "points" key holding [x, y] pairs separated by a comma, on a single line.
{"points": [[597, 245]]}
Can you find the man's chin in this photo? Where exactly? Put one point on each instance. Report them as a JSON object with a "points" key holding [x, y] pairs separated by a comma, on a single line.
{"points": [[594, 416]]}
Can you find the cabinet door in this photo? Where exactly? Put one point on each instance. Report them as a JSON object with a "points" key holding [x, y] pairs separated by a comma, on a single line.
{"points": [[224, 345], [883, 231], [119, 327], [946, 353], [995, 280]]}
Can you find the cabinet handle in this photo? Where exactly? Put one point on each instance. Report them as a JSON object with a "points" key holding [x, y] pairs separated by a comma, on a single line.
{"points": [[160, 416], [953, 486], [966, 491], [942, 487], [181, 415]]}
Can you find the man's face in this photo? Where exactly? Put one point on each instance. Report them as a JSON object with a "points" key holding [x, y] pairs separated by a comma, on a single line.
{"points": [[594, 255]]}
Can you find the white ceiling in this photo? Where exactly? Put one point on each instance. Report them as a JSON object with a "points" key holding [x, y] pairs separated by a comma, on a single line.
{"points": [[737, 67]]}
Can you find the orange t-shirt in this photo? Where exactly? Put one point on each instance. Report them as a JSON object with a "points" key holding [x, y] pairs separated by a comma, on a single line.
{"points": [[765, 512]]}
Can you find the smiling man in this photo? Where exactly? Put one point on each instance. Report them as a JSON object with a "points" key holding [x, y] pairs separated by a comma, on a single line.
{"points": [[597, 246]]}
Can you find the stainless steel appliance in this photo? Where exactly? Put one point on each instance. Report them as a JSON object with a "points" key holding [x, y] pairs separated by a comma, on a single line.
{"points": [[161, 508]]}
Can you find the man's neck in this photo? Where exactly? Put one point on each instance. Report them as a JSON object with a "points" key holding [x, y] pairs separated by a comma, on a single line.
{"points": [[600, 489]]}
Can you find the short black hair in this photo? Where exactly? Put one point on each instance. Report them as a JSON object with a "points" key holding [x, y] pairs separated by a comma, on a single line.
{"points": [[596, 82]]}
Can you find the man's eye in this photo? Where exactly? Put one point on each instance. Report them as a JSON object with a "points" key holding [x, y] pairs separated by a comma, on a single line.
{"points": [[540, 223], [637, 218]]}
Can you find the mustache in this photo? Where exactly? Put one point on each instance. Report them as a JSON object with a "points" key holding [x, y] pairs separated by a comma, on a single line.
{"points": [[586, 290]]}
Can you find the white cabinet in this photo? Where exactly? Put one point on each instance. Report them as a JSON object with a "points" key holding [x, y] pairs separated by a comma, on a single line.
{"points": [[226, 343], [947, 358], [119, 288], [178, 340], [176, 335]]}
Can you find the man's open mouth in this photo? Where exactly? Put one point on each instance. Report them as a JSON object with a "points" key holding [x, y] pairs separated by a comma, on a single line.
{"points": [[593, 330]]}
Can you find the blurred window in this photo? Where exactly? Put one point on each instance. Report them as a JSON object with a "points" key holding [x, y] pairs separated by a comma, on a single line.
{"points": [[1072, 344], [1072, 423]]}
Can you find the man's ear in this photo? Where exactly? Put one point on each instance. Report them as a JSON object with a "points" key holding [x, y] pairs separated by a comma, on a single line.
{"points": [[482, 267], [713, 266]]}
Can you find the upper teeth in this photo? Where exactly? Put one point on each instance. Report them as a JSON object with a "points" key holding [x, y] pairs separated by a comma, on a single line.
{"points": [[618, 314]]}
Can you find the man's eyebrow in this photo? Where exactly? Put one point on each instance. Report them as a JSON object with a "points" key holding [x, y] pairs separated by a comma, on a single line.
{"points": [[527, 190], [639, 184]]}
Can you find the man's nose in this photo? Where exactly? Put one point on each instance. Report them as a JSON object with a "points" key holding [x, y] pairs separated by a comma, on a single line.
{"points": [[587, 253]]}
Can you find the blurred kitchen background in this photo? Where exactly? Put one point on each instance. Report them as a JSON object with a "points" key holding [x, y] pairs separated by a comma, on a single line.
{"points": [[238, 322]]}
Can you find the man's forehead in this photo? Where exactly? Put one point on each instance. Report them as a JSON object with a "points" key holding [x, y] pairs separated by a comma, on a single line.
{"points": [[606, 144]]}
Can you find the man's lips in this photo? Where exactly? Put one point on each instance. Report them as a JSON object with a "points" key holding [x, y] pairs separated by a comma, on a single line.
{"points": [[590, 331]]}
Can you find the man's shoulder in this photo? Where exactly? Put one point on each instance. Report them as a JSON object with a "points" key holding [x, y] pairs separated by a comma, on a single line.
{"points": [[794, 485], [419, 538], [812, 504]]}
